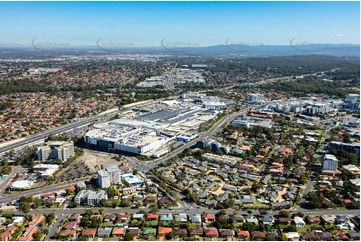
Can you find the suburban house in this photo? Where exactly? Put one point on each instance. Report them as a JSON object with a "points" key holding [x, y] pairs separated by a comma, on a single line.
{"points": [[243, 234], [211, 233], [299, 222]]}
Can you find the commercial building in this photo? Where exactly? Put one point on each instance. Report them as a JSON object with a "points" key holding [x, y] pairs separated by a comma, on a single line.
{"points": [[89, 197], [46, 170], [185, 137], [114, 136], [21, 185], [330, 163], [353, 102], [56, 150], [212, 103], [317, 108], [249, 122], [255, 97]]}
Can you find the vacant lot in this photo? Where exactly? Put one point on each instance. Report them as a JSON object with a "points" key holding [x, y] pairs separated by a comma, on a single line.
{"points": [[87, 164]]}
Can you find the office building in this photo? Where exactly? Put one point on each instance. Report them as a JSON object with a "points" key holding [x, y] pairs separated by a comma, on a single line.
{"points": [[255, 97], [56, 150], [317, 108]]}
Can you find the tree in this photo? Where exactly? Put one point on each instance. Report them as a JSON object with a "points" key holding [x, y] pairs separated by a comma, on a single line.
{"points": [[25, 207], [95, 222], [49, 218], [101, 211], [290, 228], [128, 237], [38, 235], [256, 186], [284, 213]]}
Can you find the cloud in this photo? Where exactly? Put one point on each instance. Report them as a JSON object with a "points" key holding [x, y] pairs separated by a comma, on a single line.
{"points": [[339, 35]]}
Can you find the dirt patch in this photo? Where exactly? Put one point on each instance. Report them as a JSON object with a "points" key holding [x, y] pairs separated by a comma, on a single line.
{"points": [[95, 160]]}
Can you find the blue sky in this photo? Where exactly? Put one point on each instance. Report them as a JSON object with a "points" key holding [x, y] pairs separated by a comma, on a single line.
{"points": [[187, 23]]}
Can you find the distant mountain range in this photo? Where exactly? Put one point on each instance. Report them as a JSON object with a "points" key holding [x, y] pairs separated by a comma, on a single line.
{"points": [[231, 50]]}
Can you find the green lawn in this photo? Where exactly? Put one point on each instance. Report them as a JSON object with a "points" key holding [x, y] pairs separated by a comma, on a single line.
{"points": [[310, 227], [257, 206], [151, 223]]}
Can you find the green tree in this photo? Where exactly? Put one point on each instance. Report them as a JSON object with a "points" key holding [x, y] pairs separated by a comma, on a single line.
{"points": [[25, 207], [128, 237]]}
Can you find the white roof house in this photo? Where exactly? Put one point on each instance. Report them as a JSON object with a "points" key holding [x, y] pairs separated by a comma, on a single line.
{"points": [[299, 222]]}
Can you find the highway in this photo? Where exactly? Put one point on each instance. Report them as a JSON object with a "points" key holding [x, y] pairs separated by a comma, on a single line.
{"points": [[43, 135], [133, 162], [5, 198]]}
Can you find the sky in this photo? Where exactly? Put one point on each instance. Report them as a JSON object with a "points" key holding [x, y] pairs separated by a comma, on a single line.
{"points": [[178, 23]]}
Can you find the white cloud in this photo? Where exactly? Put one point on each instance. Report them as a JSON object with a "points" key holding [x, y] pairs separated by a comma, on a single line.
{"points": [[339, 35]]}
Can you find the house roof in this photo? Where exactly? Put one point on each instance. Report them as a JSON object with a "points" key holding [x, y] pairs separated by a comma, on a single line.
{"points": [[267, 219], [70, 225], [162, 230], [196, 231], [244, 233], [74, 216], [123, 216], [166, 217], [309, 236], [72, 188], [138, 215], [258, 234], [209, 216], [134, 231], [298, 220], [284, 219], [89, 232], [118, 231], [66, 233], [152, 216], [180, 232], [104, 232], [226, 232], [211, 231]]}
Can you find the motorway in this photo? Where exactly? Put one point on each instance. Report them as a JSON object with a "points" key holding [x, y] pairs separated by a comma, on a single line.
{"points": [[133, 162], [5, 198], [43, 135]]}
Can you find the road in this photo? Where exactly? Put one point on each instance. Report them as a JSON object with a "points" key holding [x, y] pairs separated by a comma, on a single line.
{"points": [[306, 191], [5, 183], [43, 135], [143, 167], [146, 166], [5, 198], [59, 212], [54, 227]]}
